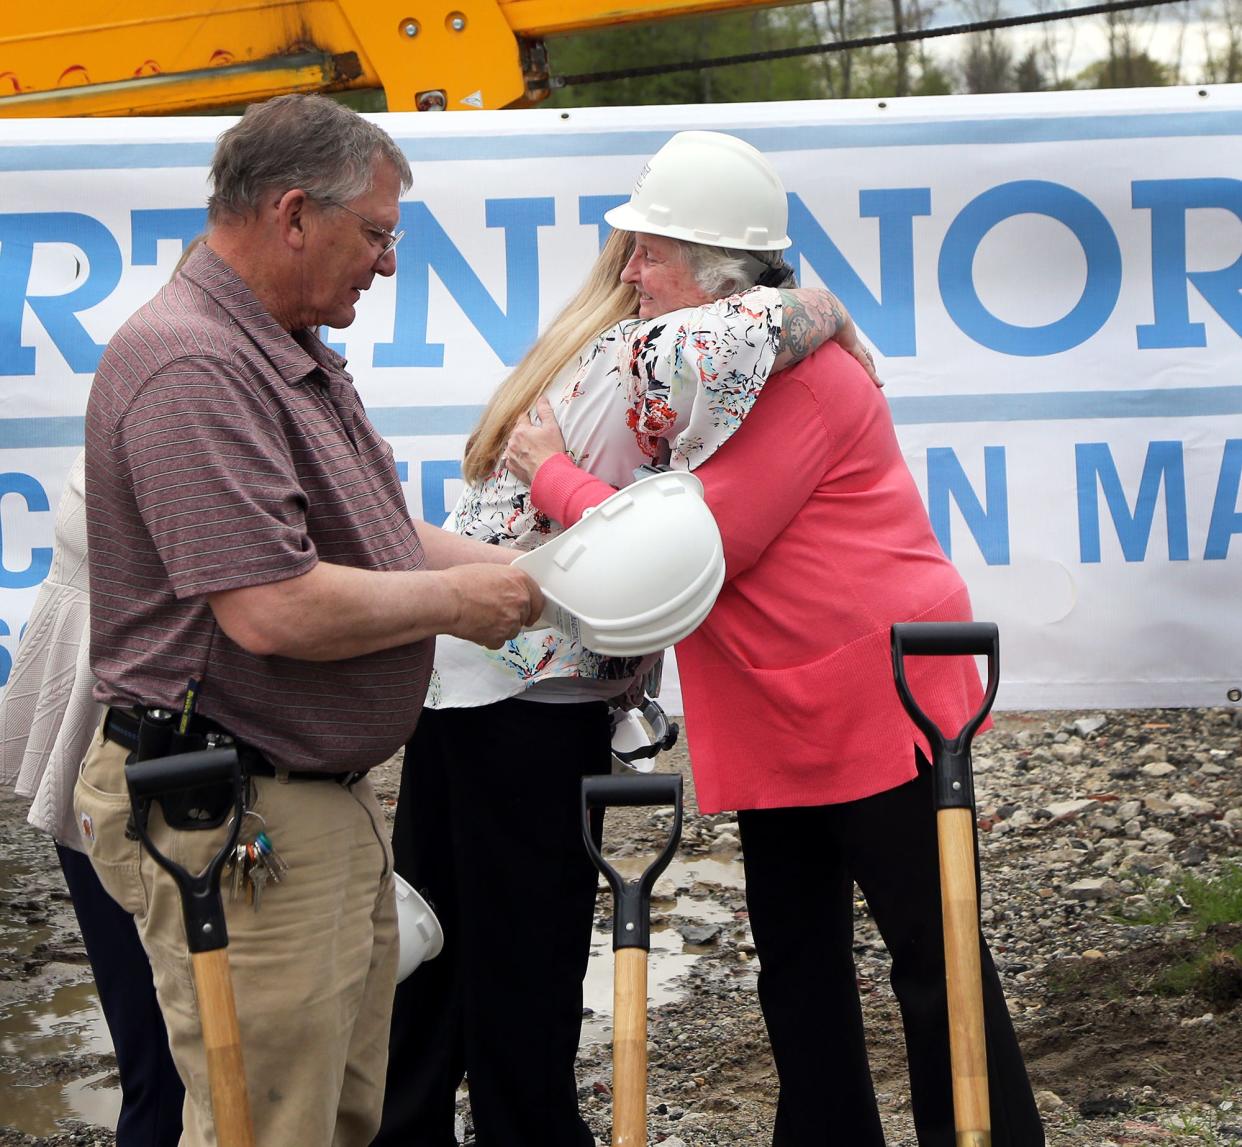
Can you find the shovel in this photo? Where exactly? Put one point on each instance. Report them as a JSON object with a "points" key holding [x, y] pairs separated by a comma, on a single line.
{"points": [[189, 783], [631, 940], [955, 830]]}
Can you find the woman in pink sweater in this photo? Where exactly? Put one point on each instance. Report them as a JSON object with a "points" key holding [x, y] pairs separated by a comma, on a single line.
{"points": [[793, 718]]}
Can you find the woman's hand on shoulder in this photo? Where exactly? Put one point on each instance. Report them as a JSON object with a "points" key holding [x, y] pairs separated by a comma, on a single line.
{"points": [[532, 443]]}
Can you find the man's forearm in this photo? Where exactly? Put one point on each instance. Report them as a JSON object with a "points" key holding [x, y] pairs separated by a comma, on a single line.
{"points": [[335, 612], [445, 549]]}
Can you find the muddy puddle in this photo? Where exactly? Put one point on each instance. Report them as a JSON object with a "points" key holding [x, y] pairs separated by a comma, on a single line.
{"points": [[55, 1052], [685, 899], [67, 1025]]}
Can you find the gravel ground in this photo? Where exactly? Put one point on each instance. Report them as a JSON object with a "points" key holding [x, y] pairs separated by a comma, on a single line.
{"points": [[1089, 822]]}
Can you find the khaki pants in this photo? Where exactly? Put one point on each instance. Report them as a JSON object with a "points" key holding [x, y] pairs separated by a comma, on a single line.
{"points": [[313, 969]]}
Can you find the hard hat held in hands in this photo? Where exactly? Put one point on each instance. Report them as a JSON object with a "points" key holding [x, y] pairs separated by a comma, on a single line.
{"points": [[711, 188], [638, 573]]}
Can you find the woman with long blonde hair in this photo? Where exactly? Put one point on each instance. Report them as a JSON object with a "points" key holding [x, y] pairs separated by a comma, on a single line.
{"points": [[601, 302], [488, 823]]}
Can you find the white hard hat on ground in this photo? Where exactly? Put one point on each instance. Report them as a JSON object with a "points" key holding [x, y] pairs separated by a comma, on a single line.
{"points": [[420, 936], [711, 188], [638, 573]]}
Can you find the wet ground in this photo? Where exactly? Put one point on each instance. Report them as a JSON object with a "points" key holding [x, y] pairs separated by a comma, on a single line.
{"points": [[56, 1062], [1089, 823]]}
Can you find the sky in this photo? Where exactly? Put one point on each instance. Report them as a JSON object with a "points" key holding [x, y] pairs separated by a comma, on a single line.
{"points": [[1163, 33]]}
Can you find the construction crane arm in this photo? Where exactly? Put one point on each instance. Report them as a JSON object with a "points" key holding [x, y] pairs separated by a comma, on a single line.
{"points": [[176, 56]]}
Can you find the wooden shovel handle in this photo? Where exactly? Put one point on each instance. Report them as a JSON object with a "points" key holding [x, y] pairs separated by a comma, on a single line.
{"points": [[629, 1048], [959, 898], [217, 1012]]}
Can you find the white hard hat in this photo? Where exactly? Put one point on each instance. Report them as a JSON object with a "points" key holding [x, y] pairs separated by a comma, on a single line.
{"points": [[420, 935], [631, 743], [640, 733], [711, 188], [638, 573]]}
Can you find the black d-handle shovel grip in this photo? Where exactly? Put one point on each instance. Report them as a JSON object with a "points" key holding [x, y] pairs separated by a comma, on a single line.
{"points": [[950, 755], [151, 779], [200, 894], [631, 924], [643, 789]]}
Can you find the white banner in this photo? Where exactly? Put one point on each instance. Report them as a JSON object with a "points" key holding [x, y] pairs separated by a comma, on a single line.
{"points": [[1053, 284]]}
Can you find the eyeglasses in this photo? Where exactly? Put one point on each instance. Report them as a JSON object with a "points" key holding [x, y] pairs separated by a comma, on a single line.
{"points": [[387, 239]]}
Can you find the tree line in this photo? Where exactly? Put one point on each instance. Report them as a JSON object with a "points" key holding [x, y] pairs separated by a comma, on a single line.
{"points": [[1199, 41]]}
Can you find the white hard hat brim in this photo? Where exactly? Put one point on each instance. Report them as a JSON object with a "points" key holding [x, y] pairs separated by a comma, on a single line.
{"points": [[624, 217], [420, 936]]}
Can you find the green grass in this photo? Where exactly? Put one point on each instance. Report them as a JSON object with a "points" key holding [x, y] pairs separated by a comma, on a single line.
{"points": [[1161, 906], [1193, 1129], [1210, 901], [1216, 901], [1190, 975]]}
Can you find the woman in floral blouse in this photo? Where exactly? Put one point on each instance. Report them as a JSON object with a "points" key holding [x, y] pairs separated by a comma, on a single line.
{"points": [[488, 822]]}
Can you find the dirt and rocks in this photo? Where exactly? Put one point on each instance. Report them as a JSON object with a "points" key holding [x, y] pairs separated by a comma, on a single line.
{"points": [[1091, 824]]}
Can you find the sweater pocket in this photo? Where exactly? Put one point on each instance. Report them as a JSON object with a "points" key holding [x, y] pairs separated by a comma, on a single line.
{"points": [[823, 732], [829, 730]]}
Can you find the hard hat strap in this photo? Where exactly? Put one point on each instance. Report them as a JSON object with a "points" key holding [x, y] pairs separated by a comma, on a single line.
{"points": [[778, 273]]}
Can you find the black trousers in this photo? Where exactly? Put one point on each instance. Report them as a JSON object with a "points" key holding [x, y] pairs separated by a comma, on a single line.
{"points": [[488, 829], [801, 865], [151, 1091]]}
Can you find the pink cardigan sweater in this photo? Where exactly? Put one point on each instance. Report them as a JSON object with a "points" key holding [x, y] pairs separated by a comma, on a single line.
{"points": [[788, 684]]}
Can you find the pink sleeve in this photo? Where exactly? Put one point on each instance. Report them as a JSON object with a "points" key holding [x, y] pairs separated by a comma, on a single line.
{"points": [[755, 484], [759, 480], [564, 492]]}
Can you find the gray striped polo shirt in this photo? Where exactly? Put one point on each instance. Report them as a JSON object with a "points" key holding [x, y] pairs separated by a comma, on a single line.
{"points": [[221, 452]]}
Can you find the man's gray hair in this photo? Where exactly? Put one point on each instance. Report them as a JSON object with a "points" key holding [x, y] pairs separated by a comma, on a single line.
{"points": [[723, 271], [306, 141]]}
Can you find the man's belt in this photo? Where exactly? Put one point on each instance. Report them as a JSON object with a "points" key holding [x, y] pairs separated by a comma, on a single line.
{"points": [[121, 726]]}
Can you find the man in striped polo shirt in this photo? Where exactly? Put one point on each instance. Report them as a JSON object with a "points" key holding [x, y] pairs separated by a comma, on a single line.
{"points": [[248, 533]]}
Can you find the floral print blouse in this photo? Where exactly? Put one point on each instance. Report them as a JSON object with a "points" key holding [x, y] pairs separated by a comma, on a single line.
{"points": [[688, 378]]}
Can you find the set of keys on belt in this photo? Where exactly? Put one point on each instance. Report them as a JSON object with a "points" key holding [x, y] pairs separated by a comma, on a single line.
{"points": [[254, 862]]}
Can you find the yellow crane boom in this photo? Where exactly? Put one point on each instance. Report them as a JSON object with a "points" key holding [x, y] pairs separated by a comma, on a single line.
{"points": [[153, 57]]}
